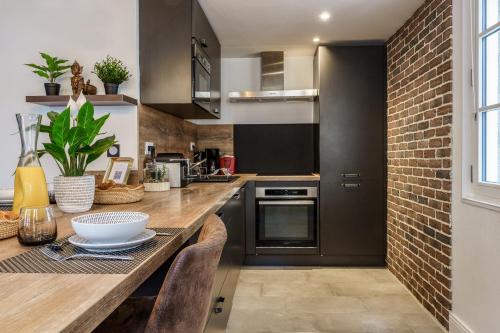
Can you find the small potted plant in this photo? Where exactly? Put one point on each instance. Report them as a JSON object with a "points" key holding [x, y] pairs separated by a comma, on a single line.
{"points": [[112, 72], [74, 145], [54, 68], [156, 177]]}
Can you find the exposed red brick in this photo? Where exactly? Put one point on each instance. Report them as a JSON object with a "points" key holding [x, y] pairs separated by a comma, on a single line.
{"points": [[419, 101]]}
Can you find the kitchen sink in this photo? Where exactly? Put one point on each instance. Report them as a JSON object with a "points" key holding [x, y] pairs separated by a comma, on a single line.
{"points": [[214, 179]]}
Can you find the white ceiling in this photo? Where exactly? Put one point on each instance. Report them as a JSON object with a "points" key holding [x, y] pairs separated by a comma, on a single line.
{"points": [[246, 27]]}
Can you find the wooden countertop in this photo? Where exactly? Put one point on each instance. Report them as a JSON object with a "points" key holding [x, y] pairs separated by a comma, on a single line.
{"points": [[79, 302]]}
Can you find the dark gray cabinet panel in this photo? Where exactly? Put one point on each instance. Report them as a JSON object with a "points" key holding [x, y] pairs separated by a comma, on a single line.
{"points": [[352, 149], [233, 215], [166, 28]]}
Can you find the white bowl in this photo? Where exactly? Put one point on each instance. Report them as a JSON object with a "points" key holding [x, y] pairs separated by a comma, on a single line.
{"points": [[110, 227]]}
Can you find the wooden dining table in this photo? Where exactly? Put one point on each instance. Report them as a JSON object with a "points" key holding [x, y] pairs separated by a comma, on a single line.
{"points": [[41, 302]]}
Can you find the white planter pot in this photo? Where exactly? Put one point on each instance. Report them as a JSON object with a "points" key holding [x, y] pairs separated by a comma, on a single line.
{"points": [[74, 194]]}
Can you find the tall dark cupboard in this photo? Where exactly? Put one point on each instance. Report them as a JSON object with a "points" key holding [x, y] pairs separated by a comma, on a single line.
{"points": [[351, 110]]}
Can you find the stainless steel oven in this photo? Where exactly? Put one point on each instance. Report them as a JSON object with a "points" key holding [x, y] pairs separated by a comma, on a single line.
{"points": [[201, 77], [286, 220]]}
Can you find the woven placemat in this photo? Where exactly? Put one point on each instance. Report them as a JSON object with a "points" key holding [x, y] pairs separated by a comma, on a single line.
{"points": [[34, 261]]}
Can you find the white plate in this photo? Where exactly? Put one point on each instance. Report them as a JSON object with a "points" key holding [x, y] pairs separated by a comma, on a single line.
{"points": [[130, 244]]}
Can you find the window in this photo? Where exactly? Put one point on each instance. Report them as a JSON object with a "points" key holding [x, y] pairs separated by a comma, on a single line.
{"points": [[488, 92]]}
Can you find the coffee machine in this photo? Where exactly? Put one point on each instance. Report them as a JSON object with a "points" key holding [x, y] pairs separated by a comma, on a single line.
{"points": [[212, 156]]}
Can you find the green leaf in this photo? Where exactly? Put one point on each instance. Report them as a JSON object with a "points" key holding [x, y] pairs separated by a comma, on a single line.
{"points": [[85, 116], [76, 138], [42, 68], [57, 74], [42, 74], [60, 128], [45, 129], [52, 115], [95, 128], [56, 152], [99, 145]]}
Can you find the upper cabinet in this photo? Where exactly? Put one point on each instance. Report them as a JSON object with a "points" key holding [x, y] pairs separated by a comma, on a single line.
{"points": [[179, 59]]}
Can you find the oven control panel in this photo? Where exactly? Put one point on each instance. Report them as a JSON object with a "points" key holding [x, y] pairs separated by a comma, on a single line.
{"points": [[282, 192]]}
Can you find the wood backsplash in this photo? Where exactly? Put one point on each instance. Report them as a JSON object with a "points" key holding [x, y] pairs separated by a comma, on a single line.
{"points": [[216, 136], [169, 133], [172, 134]]}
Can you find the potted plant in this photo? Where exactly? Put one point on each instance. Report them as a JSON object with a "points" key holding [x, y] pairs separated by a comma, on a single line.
{"points": [[54, 68], [74, 145], [156, 178], [112, 72]]}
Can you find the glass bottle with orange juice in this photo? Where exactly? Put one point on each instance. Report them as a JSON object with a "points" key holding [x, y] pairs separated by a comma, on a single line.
{"points": [[30, 186]]}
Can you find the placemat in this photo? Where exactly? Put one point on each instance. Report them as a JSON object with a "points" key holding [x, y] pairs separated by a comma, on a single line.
{"points": [[34, 261]]}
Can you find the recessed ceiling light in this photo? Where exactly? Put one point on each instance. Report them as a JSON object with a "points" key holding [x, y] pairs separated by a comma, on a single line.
{"points": [[316, 39], [324, 16]]}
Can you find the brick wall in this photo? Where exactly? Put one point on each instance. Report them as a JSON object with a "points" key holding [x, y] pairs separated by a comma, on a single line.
{"points": [[419, 155]]}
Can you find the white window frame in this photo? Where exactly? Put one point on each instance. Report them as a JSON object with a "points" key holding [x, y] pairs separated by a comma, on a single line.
{"points": [[466, 97]]}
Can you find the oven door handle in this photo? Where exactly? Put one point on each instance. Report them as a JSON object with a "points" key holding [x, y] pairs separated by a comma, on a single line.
{"points": [[287, 202]]}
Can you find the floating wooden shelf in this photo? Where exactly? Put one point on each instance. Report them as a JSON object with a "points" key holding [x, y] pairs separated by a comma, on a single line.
{"points": [[97, 100]]}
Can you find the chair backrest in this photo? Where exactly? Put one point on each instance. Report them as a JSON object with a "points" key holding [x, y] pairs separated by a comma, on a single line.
{"points": [[184, 300]]}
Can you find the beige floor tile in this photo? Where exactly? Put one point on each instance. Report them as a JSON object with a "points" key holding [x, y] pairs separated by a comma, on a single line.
{"points": [[332, 304], [367, 289], [362, 323], [332, 275], [392, 304], [263, 276], [325, 300], [270, 303], [303, 289], [260, 321], [248, 289]]}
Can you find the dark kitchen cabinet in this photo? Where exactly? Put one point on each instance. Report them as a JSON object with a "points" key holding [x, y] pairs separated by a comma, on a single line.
{"points": [[166, 30], [233, 215], [352, 117]]}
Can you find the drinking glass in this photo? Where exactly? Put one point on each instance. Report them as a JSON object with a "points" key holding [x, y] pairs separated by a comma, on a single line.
{"points": [[37, 226]]}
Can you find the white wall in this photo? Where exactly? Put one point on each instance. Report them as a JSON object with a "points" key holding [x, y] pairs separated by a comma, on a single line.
{"points": [[86, 31], [475, 230], [244, 74]]}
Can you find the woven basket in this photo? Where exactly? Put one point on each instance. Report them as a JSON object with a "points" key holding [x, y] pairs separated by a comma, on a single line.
{"points": [[8, 228], [118, 195]]}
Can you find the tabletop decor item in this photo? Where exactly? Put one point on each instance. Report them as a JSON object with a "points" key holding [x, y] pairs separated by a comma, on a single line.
{"points": [[54, 68], [74, 145], [37, 226], [118, 170], [77, 82], [30, 186], [89, 89], [110, 227], [156, 177], [112, 72], [8, 224], [113, 194]]}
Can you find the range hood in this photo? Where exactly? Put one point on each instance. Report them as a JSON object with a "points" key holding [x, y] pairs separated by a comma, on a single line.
{"points": [[272, 83]]}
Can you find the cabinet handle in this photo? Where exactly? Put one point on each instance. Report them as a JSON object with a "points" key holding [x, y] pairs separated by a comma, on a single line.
{"points": [[220, 214], [203, 42], [351, 185], [237, 196], [219, 305], [350, 175]]}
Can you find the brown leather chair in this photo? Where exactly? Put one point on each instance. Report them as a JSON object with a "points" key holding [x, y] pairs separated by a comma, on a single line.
{"points": [[183, 303]]}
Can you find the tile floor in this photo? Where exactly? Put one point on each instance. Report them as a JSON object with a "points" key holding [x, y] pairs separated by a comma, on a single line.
{"points": [[325, 300]]}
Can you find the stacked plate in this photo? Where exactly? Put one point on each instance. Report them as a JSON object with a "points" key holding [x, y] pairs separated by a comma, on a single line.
{"points": [[111, 231]]}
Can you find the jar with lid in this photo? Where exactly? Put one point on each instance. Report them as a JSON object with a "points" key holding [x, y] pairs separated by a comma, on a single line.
{"points": [[156, 178]]}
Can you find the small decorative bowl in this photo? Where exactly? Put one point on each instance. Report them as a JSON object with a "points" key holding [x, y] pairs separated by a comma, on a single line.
{"points": [[110, 227]]}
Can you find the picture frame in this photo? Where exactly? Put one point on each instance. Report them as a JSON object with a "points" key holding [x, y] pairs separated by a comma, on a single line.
{"points": [[118, 170]]}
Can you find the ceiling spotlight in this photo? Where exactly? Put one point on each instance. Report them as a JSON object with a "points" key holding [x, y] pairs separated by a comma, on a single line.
{"points": [[316, 39], [324, 16]]}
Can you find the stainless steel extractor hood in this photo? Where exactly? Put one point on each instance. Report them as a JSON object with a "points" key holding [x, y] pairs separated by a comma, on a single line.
{"points": [[272, 84]]}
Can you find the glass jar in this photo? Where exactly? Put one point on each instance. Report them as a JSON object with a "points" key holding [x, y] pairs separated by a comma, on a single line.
{"points": [[30, 186], [37, 226], [156, 177]]}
